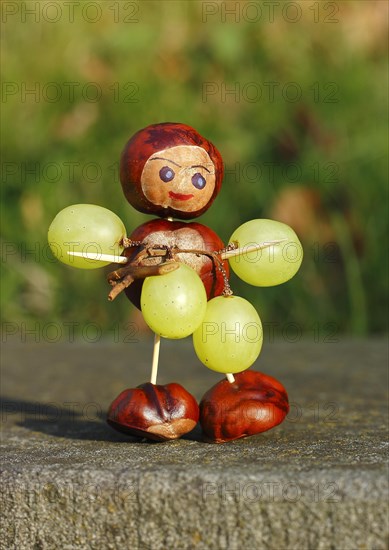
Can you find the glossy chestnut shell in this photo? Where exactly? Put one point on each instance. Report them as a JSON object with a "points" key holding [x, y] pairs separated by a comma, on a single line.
{"points": [[150, 140], [154, 412], [254, 403], [191, 235]]}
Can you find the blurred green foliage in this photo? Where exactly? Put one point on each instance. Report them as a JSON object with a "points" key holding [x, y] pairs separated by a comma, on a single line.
{"points": [[314, 155]]}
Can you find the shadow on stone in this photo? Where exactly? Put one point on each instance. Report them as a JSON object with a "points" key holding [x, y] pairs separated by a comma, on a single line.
{"points": [[68, 422], [60, 421]]}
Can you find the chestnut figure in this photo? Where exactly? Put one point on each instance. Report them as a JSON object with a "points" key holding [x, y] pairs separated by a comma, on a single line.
{"points": [[183, 236], [170, 170], [253, 403], [156, 412]]}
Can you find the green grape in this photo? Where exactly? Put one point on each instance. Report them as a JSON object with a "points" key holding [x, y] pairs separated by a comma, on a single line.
{"points": [[174, 304], [85, 228], [271, 266], [230, 337]]}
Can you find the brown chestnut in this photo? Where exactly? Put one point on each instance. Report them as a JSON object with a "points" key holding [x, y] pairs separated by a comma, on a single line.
{"points": [[252, 404], [155, 412], [170, 170]]}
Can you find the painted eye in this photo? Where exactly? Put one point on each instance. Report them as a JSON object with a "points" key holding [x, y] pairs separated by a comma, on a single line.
{"points": [[198, 181], [166, 174]]}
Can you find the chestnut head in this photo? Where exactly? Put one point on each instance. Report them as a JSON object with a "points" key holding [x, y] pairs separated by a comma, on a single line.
{"points": [[169, 169]]}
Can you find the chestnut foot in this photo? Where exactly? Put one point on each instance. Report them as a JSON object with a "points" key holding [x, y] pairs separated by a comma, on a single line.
{"points": [[252, 404], [156, 412]]}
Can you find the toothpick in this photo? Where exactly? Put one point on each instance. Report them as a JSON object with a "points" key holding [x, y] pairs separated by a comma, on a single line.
{"points": [[123, 260], [154, 366], [100, 257], [230, 377], [249, 248]]}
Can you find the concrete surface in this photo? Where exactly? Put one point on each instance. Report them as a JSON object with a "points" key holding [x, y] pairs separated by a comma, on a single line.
{"points": [[318, 481]]}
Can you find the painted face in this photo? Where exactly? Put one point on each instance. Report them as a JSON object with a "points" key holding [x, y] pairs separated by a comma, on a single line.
{"points": [[170, 170], [180, 177]]}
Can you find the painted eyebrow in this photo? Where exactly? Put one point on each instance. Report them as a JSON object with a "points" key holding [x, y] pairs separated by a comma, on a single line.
{"points": [[168, 160], [200, 166]]}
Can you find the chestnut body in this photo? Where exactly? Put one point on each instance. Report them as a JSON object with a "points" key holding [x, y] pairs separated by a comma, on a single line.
{"points": [[185, 236], [254, 403], [155, 412]]}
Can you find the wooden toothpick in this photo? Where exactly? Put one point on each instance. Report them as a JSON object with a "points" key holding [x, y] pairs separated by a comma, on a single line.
{"points": [[249, 248], [100, 257], [224, 255], [230, 377], [154, 366]]}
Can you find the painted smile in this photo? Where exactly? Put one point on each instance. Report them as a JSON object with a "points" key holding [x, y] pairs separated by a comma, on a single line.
{"points": [[180, 196]]}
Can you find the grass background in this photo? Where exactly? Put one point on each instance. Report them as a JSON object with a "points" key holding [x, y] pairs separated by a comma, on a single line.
{"points": [[314, 155]]}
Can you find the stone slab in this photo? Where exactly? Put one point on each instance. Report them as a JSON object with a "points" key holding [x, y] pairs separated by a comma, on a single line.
{"points": [[318, 481]]}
